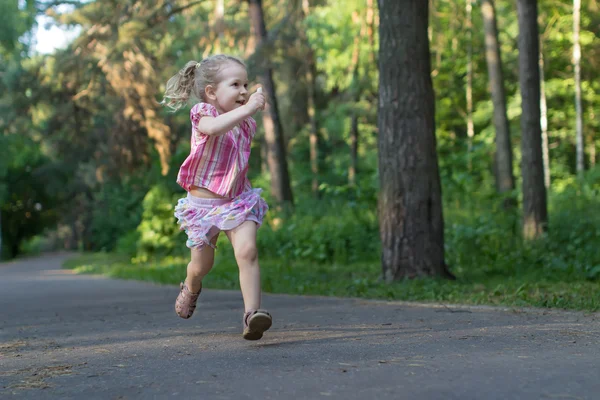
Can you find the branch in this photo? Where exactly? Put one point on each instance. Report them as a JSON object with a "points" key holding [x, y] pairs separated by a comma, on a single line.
{"points": [[43, 6], [157, 19]]}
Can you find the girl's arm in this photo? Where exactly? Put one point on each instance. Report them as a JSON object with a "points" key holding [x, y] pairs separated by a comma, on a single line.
{"points": [[224, 123]]}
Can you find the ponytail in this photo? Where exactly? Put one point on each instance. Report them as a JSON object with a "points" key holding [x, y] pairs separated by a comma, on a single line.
{"points": [[180, 87]]}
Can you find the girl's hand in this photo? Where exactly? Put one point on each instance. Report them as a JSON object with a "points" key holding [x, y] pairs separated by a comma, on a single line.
{"points": [[257, 101]]}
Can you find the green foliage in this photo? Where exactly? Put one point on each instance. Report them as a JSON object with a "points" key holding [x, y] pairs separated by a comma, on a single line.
{"points": [[159, 235], [332, 250], [116, 212], [77, 126], [26, 202], [16, 18], [492, 264], [316, 234]]}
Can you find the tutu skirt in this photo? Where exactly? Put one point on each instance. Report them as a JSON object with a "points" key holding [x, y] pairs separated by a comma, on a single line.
{"points": [[202, 219]]}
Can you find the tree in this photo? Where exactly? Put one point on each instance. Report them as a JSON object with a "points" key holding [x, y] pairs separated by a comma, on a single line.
{"points": [[276, 154], [311, 77], [410, 198], [470, 125], [355, 88], [544, 121], [577, 69], [535, 214], [505, 180]]}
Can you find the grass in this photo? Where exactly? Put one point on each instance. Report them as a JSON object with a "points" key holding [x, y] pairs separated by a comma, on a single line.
{"points": [[321, 250], [512, 287]]}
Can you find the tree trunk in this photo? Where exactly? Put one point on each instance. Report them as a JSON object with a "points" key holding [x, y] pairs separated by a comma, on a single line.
{"points": [[470, 125], [544, 122], [577, 68], [264, 166], [410, 199], [535, 214], [592, 144], [355, 89], [219, 24], [280, 180], [505, 180], [311, 73], [370, 32], [353, 168], [314, 128]]}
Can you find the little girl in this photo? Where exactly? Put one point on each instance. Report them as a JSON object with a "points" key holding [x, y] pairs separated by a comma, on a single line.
{"points": [[220, 197]]}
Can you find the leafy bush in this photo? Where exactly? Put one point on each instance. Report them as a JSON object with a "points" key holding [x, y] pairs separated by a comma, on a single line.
{"points": [[159, 234], [116, 211], [323, 231], [487, 240]]}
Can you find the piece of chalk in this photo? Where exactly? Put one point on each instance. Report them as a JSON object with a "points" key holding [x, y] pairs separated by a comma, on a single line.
{"points": [[259, 90]]}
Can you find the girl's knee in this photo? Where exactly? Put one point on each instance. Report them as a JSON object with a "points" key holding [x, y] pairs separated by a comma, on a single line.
{"points": [[247, 252], [195, 267]]}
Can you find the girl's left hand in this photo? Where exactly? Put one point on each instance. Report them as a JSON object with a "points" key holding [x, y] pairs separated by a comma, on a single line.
{"points": [[257, 100]]}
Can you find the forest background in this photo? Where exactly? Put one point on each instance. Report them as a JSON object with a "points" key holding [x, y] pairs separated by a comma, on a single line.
{"points": [[89, 158]]}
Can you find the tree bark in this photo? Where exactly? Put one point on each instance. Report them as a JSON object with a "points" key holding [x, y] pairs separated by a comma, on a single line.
{"points": [[311, 73], [505, 180], [353, 167], [219, 23], [470, 125], [535, 214], [410, 200], [577, 69], [277, 161], [314, 127], [544, 122], [370, 32], [355, 89]]}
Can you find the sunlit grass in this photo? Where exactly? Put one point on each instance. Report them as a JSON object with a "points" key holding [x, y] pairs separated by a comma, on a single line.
{"points": [[527, 287]]}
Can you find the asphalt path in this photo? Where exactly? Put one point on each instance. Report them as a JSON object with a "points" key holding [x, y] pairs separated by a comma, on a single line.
{"points": [[67, 336]]}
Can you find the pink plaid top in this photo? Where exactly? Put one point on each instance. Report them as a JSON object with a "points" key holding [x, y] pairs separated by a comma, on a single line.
{"points": [[218, 163]]}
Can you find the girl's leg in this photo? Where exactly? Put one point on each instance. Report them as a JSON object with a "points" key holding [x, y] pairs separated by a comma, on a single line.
{"points": [[200, 265], [243, 240]]}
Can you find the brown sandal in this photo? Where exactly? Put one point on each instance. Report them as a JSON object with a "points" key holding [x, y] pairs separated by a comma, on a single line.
{"points": [[256, 322], [186, 301]]}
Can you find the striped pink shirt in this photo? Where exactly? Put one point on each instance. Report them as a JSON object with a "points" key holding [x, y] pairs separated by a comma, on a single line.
{"points": [[218, 163]]}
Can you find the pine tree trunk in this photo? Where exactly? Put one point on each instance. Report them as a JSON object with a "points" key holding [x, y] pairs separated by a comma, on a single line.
{"points": [[577, 68], [314, 161], [314, 128], [311, 72], [264, 156], [219, 23], [353, 168], [535, 214], [355, 89], [280, 180], [410, 199], [505, 180], [370, 32], [544, 122], [470, 125], [592, 149]]}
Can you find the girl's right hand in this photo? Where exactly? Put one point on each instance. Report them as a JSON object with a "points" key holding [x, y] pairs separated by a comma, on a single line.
{"points": [[257, 101]]}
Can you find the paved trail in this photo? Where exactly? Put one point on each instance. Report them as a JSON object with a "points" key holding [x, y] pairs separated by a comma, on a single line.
{"points": [[65, 336]]}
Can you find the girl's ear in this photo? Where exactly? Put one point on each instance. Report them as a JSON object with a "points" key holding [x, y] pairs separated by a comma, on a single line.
{"points": [[210, 92]]}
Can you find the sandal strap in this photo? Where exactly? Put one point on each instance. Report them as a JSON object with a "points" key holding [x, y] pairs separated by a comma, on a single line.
{"points": [[250, 313], [186, 300]]}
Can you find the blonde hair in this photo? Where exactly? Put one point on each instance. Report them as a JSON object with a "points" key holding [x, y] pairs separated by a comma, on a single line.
{"points": [[193, 79]]}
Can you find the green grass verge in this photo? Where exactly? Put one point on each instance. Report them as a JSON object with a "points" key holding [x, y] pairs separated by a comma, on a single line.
{"points": [[521, 287]]}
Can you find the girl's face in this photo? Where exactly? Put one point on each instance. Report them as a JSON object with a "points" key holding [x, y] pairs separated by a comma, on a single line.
{"points": [[232, 90]]}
